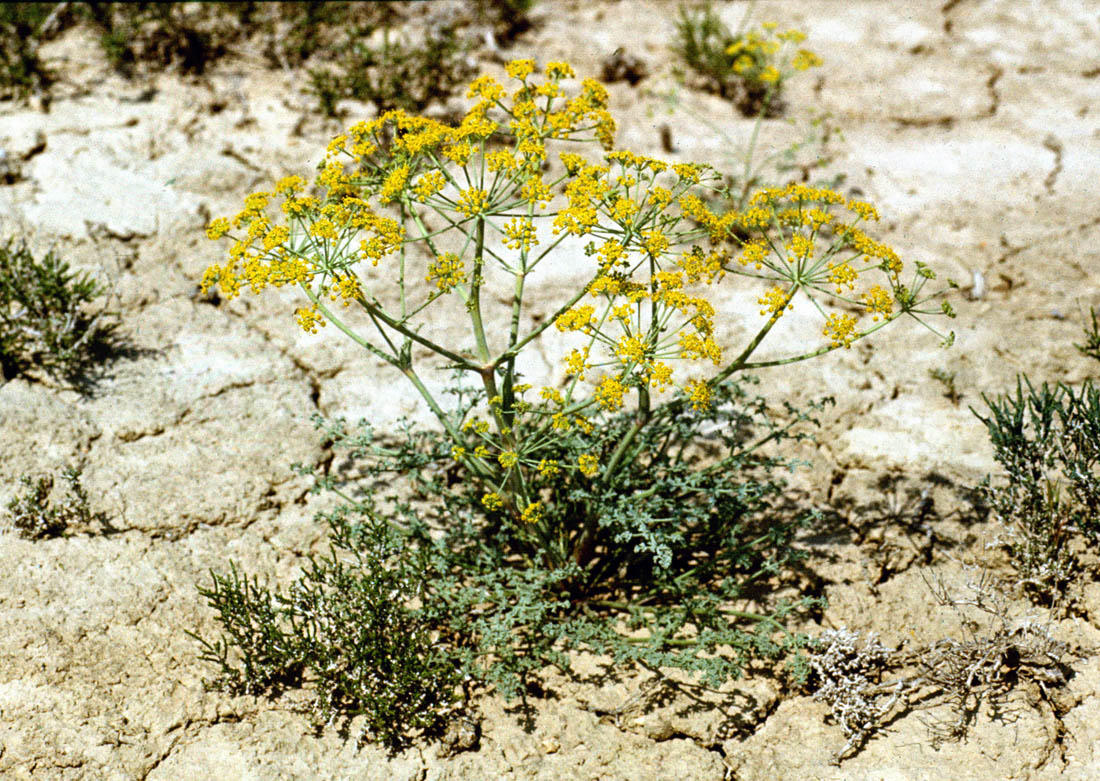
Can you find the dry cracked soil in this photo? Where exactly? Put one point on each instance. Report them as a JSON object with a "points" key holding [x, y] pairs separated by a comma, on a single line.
{"points": [[973, 125]]}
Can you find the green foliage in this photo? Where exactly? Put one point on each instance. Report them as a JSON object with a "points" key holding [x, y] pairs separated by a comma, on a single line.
{"points": [[686, 537], [300, 30], [37, 517], [44, 316], [1091, 347], [21, 70], [187, 36], [703, 42], [649, 568], [345, 626], [1048, 442], [396, 73], [947, 380]]}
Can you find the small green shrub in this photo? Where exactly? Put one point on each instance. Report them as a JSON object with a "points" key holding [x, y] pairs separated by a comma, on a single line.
{"points": [[21, 70], [396, 74], [1091, 347], [45, 318], [1048, 442], [690, 534], [187, 36], [345, 626], [36, 517]]}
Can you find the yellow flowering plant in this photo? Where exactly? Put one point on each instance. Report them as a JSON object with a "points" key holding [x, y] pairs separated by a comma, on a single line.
{"points": [[748, 66], [411, 221]]}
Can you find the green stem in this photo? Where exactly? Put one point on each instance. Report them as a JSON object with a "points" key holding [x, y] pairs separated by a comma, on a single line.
{"points": [[740, 362], [746, 175], [474, 304]]}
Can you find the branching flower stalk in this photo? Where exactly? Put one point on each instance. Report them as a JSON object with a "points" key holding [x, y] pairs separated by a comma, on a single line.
{"points": [[479, 202]]}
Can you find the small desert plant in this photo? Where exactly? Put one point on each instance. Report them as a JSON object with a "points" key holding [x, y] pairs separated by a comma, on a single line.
{"points": [[1047, 440], [394, 73], [346, 626], [187, 36], [594, 512], [747, 68], [21, 70], [754, 171], [1091, 347], [46, 319], [947, 380], [37, 517], [996, 654], [847, 670]]}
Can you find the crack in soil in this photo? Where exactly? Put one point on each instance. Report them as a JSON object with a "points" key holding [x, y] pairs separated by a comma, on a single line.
{"points": [[946, 121], [1053, 145]]}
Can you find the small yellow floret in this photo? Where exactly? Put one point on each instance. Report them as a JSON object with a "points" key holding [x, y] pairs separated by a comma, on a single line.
{"points": [[492, 501], [840, 329], [217, 228], [589, 465], [532, 513], [520, 69]]}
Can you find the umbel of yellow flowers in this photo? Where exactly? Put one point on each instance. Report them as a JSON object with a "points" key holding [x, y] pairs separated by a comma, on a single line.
{"points": [[488, 204]]}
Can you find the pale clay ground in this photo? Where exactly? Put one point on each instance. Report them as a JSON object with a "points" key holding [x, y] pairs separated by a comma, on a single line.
{"points": [[972, 126]]}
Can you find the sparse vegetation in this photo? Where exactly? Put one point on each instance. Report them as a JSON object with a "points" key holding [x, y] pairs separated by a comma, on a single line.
{"points": [[947, 380], [49, 318], [346, 626], [392, 73], [37, 516], [500, 617], [21, 30], [1047, 440], [1091, 347], [866, 684], [186, 36]]}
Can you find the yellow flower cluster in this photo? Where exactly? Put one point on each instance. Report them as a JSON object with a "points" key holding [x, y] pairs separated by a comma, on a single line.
{"points": [[609, 394], [879, 302], [699, 395], [473, 201], [448, 271], [840, 329], [309, 319], [580, 318], [841, 274], [491, 501], [756, 54], [589, 465], [774, 302], [399, 179], [520, 234], [532, 513]]}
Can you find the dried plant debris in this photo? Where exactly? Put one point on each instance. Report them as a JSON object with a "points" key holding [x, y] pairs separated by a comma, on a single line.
{"points": [[849, 670], [865, 684], [995, 657]]}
